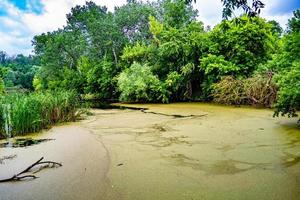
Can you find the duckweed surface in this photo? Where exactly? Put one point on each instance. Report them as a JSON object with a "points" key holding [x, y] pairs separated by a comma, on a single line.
{"points": [[211, 152]]}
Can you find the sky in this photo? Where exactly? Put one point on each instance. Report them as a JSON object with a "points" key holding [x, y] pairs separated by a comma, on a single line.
{"points": [[20, 20]]}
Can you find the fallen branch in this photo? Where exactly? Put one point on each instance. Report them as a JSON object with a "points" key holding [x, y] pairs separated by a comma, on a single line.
{"points": [[171, 115], [22, 175]]}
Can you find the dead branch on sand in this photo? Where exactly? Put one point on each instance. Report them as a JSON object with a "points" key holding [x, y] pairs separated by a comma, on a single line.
{"points": [[24, 174]]}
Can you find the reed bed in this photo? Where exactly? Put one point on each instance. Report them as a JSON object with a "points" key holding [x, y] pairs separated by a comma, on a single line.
{"points": [[28, 113]]}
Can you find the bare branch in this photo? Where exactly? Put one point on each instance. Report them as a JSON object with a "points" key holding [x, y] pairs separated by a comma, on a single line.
{"points": [[22, 175]]}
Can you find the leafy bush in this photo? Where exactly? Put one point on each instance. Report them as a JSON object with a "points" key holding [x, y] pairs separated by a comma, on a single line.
{"points": [[138, 52], [286, 65], [100, 79], [138, 83], [214, 68], [246, 42], [289, 93]]}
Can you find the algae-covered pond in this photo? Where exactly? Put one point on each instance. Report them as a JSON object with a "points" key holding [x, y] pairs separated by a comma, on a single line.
{"points": [[170, 151]]}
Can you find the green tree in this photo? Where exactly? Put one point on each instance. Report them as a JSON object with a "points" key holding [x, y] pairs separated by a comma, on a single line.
{"points": [[173, 55], [214, 68], [100, 79], [289, 94], [93, 38], [177, 13], [20, 70], [246, 44], [294, 22], [287, 66], [132, 20], [276, 28], [59, 52]]}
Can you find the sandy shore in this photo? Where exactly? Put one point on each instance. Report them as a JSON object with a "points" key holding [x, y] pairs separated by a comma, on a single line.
{"points": [[82, 176]]}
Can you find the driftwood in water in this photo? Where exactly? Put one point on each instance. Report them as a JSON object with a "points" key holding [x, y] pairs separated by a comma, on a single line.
{"points": [[171, 115], [23, 174]]}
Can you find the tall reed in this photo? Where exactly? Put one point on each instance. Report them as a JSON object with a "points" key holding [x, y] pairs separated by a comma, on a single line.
{"points": [[29, 113]]}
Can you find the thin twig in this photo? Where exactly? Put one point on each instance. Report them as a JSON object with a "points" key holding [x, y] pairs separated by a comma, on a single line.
{"points": [[31, 166]]}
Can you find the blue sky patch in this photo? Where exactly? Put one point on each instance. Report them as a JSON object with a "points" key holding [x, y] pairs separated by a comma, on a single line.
{"points": [[21, 4], [34, 6], [2, 12], [286, 6]]}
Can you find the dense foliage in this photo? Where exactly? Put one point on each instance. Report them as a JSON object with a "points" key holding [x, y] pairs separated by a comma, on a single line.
{"points": [[85, 54], [287, 65], [160, 52], [17, 72], [137, 83]]}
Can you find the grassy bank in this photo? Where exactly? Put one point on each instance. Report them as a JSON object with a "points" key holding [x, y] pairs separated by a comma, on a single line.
{"points": [[27, 113]]}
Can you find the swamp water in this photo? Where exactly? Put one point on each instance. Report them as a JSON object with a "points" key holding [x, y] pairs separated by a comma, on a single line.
{"points": [[21, 142], [175, 151]]}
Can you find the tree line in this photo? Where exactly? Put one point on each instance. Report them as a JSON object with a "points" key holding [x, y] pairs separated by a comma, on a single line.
{"points": [[17, 72], [160, 52]]}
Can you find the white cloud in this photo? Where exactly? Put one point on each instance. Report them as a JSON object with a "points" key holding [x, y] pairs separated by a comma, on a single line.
{"points": [[54, 15], [13, 44], [9, 22], [18, 27], [269, 14], [210, 11]]}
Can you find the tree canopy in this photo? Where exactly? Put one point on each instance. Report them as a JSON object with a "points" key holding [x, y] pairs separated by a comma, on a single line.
{"points": [[160, 52]]}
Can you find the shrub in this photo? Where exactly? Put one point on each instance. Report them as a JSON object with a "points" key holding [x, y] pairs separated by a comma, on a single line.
{"points": [[257, 90], [260, 90], [229, 91], [289, 93], [214, 68], [138, 83]]}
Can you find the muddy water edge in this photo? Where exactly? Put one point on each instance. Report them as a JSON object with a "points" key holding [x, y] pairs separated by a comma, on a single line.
{"points": [[174, 151]]}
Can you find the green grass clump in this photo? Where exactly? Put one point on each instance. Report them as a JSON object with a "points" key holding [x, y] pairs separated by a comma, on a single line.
{"points": [[28, 113]]}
